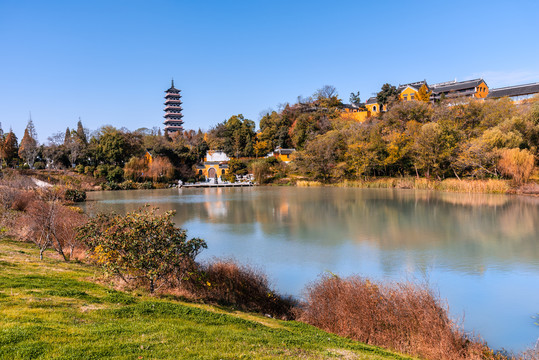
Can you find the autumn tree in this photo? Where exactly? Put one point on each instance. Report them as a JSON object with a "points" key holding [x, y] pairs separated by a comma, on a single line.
{"points": [[434, 148], [323, 156], [140, 245], [423, 94], [28, 148], [327, 96], [160, 170], [518, 164], [10, 148], [136, 168]]}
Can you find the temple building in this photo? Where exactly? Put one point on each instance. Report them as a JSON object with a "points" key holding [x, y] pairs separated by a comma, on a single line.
{"points": [[173, 110], [517, 93], [476, 88], [215, 165]]}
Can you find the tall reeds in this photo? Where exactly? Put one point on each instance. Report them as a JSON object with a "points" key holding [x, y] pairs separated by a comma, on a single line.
{"points": [[490, 186]]}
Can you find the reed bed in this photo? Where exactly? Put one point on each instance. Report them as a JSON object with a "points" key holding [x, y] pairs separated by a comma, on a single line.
{"points": [[490, 186], [305, 183]]}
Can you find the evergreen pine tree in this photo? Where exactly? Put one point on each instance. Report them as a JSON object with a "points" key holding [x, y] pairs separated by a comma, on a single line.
{"points": [[80, 133], [67, 137]]}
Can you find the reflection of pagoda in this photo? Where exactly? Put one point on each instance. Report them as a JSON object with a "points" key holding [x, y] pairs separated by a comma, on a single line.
{"points": [[173, 110]]}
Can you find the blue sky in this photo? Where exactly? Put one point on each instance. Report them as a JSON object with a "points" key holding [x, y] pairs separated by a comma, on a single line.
{"points": [[109, 62]]}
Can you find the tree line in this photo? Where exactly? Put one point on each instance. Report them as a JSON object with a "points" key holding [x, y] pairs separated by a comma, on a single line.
{"points": [[465, 138]]}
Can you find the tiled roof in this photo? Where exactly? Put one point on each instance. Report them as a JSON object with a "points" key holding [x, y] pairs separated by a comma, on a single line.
{"points": [[416, 85], [455, 86], [372, 100], [350, 106], [518, 90]]}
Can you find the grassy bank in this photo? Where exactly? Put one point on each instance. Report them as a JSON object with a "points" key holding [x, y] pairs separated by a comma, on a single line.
{"points": [[51, 309]]}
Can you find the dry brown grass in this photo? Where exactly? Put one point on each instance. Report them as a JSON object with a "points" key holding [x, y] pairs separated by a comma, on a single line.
{"points": [[225, 282], [405, 317], [305, 183], [490, 186]]}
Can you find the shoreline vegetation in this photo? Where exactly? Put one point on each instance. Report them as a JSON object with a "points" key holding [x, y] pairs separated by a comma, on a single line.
{"points": [[457, 144], [144, 254], [489, 186]]}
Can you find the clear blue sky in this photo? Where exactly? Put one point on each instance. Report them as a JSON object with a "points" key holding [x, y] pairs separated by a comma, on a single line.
{"points": [[110, 61]]}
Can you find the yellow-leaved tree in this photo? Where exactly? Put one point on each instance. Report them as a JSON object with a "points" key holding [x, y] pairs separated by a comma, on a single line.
{"points": [[423, 94]]}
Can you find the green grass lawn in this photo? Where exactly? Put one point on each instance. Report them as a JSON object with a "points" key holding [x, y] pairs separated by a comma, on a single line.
{"points": [[52, 310]]}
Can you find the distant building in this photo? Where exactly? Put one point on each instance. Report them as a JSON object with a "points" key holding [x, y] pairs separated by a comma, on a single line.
{"points": [[476, 88], [517, 93], [281, 154], [408, 92], [215, 165], [173, 110], [354, 112], [373, 107]]}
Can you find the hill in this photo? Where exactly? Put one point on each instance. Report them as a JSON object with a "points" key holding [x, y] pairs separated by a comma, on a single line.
{"points": [[55, 310]]}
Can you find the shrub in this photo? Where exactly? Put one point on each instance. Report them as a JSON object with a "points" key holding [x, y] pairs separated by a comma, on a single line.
{"points": [[39, 165], [75, 195], [261, 170], [49, 224], [110, 186], [89, 170], [229, 177], [101, 171], [127, 185], [21, 199], [79, 169], [115, 175], [405, 317], [145, 185], [141, 245], [227, 283]]}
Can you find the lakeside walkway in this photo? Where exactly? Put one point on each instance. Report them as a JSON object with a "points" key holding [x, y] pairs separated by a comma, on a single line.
{"points": [[210, 185]]}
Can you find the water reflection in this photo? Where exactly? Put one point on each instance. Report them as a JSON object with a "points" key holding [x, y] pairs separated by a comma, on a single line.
{"points": [[469, 229], [481, 251]]}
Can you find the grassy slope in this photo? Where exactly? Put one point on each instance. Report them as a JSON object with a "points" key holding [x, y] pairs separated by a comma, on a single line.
{"points": [[52, 310]]}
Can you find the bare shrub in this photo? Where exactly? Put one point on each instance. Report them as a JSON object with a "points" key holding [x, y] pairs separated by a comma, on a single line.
{"points": [[49, 224], [228, 283], [21, 199], [405, 317], [518, 164]]}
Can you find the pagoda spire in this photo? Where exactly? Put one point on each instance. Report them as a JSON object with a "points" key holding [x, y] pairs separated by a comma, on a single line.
{"points": [[173, 110]]}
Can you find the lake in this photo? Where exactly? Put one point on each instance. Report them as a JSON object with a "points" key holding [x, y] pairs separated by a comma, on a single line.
{"points": [[480, 252]]}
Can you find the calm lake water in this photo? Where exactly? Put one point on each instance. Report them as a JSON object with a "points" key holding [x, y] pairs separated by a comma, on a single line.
{"points": [[480, 252]]}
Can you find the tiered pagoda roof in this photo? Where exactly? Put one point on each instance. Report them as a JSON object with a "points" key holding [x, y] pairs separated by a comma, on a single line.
{"points": [[173, 110]]}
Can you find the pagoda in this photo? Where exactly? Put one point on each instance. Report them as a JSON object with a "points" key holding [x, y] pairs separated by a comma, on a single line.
{"points": [[173, 110]]}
